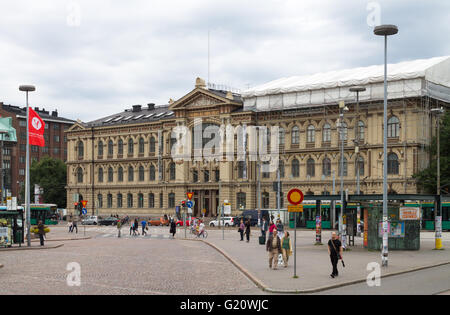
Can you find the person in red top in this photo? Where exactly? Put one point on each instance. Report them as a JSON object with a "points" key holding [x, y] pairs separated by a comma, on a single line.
{"points": [[271, 228]]}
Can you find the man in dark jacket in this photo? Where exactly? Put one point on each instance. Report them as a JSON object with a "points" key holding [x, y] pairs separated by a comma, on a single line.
{"points": [[41, 232], [273, 246]]}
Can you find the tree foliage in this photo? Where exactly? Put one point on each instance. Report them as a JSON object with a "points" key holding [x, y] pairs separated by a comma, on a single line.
{"points": [[51, 175], [427, 178]]}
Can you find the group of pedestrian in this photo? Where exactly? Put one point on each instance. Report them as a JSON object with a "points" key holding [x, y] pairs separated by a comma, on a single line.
{"points": [[245, 228], [72, 224], [276, 246]]}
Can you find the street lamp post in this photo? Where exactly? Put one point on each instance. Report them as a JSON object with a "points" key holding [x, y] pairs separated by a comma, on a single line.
{"points": [[385, 30], [438, 218], [27, 88], [357, 89], [342, 109]]}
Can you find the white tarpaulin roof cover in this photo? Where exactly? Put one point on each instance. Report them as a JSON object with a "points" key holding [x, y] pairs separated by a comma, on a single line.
{"points": [[406, 79]]}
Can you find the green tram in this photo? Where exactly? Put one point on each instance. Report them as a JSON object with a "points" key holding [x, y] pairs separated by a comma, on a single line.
{"points": [[47, 213], [307, 219]]}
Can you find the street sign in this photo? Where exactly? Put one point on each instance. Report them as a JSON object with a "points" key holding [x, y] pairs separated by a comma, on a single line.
{"points": [[203, 210], [295, 196], [189, 195], [84, 203], [190, 204], [295, 208], [227, 208], [84, 211]]}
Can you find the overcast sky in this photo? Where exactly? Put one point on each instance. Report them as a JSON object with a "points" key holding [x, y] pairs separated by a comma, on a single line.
{"points": [[90, 59]]}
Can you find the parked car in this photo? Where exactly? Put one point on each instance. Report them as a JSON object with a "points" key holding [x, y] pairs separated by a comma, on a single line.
{"points": [[227, 221], [154, 221], [90, 220], [108, 221], [252, 215], [180, 223], [165, 221]]}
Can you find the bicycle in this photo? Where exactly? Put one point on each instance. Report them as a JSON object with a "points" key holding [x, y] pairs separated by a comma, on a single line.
{"points": [[203, 234]]}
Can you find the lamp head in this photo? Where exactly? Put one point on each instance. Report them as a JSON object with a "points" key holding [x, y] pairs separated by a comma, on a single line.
{"points": [[385, 30], [27, 88]]}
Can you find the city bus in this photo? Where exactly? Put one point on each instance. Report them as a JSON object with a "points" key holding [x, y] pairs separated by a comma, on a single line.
{"points": [[47, 213]]}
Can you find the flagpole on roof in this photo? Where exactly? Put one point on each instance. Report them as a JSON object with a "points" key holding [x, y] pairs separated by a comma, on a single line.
{"points": [[27, 88]]}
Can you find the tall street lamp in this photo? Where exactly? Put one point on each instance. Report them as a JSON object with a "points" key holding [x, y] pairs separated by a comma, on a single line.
{"points": [[357, 90], [385, 30], [438, 217], [342, 110], [27, 88]]}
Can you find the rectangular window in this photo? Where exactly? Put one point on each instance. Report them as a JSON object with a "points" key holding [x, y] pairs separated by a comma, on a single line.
{"points": [[56, 138], [22, 172], [22, 123], [55, 127], [22, 159], [56, 150]]}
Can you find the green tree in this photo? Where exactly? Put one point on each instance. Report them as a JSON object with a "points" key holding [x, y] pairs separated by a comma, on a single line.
{"points": [[427, 178], [51, 175]]}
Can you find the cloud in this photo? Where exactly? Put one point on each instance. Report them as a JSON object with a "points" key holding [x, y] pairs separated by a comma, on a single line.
{"points": [[108, 55]]}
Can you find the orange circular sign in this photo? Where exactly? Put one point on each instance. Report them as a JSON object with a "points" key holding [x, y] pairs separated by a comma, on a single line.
{"points": [[295, 196]]}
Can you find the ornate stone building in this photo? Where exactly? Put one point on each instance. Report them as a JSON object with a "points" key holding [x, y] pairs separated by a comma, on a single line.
{"points": [[123, 163]]}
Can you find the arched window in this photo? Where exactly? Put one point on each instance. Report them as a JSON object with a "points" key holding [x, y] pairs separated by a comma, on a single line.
{"points": [[343, 131], [110, 174], [100, 148], [152, 144], [80, 148], [130, 200], [326, 167], [120, 147], [172, 171], [141, 173], [345, 167], [359, 165], [130, 146], [141, 145], [360, 131], [100, 200], [130, 174], [100, 175], [119, 200], [110, 147], [80, 175], [295, 171], [120, 174], [151, 200], [295, 135], [393, 127], [281, 136], [109, 200], [140, 200], [326, 133], [311, 167], [152, 172], [392, 164], [311, 134]]}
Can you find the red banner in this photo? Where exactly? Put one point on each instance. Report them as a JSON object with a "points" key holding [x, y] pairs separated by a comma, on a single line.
{"points": [[36, 129]]}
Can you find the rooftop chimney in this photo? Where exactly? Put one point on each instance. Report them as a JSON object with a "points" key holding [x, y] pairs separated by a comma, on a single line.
{"points": [[36, 109], [151, 106], [136, 108], [55, 113], [200, 83]]}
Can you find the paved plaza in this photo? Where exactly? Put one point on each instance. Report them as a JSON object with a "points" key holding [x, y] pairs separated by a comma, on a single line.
{"points": [[220, 264]]}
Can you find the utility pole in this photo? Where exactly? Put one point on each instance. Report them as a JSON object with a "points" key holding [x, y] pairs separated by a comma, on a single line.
{"points": [[438, 218], [342, 109]]}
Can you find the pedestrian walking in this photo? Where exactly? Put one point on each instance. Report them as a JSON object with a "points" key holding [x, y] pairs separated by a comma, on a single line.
{"points": [[273, 246], [131, 227], [241, 229], [272, 226], [135, 227], [119, 227], [74, 224], [173, 228], [286, 248], [280, 228], [264, 227], [41, 232], [335, 252], [144, 226], [69, 224], [247, 230]]}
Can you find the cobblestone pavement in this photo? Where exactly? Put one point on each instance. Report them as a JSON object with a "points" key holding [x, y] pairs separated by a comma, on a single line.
{"points": [[124, 266]]}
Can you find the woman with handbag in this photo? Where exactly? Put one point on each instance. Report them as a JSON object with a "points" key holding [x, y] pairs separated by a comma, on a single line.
{"points": [[286, 248], [241, 229]]}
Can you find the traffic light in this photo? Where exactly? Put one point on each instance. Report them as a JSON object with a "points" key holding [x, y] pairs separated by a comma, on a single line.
{"points": [[183, 203]]}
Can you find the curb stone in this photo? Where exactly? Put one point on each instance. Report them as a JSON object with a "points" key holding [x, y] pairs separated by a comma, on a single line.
{"points": [[30, 248], [67, 239], [265, 288]]}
